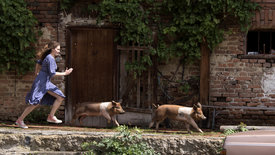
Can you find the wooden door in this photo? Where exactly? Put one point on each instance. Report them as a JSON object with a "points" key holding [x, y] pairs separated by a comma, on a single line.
{"points": [[93, 79]]}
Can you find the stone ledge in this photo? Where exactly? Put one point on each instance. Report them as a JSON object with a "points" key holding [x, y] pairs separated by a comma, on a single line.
{"points": [[43, 153], [13, 140]]}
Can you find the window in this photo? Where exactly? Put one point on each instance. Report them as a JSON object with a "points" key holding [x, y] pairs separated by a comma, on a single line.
{"points": [[261, 42]]}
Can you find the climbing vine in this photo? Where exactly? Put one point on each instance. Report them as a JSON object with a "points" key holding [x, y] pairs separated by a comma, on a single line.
{"points": [[173, 28], [17, 35], [66, 4]]}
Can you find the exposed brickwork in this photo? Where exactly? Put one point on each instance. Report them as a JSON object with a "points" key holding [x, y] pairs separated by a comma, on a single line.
{"points": [[46, 12], [243, 82], [12, 93], [265, 18], [234, 81]]}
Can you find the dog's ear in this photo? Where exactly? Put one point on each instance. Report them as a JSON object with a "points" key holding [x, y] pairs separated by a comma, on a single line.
{"points": [[195, 106], [154, 105], [113, 103], [198, 104]]}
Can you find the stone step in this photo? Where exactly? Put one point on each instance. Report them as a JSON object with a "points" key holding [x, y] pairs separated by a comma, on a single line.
{"points": [[34, 141], [42, 153]]}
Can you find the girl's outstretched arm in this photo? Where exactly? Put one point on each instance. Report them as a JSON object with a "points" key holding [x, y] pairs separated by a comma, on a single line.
{"points": [[66, 72]]}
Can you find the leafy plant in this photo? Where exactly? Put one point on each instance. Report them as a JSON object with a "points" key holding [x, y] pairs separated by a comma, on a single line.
{"points": [[241, 128], [126, 142], [66, 4], [173, 28], [185, 88], [17, 36]]}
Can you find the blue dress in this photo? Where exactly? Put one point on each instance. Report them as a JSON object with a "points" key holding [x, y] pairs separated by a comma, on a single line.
{"points": [[42, 84]]}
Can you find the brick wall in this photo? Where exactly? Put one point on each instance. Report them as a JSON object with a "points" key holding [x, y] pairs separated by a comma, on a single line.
{"points": [[46, 12], [265, 18], [243, 82], [12, 92], [233, 81]]}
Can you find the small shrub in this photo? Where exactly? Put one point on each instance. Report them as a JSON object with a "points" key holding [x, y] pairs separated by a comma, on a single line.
{"points": [[240, 128], [126, 142]]}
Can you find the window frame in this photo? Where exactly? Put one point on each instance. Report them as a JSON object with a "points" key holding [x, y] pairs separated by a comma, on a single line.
{"points": [[261, 51]]}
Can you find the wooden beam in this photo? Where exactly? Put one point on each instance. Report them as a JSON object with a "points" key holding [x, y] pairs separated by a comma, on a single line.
{"points": [[138, 83], [257, 56], [204, 73], [132, 48]]}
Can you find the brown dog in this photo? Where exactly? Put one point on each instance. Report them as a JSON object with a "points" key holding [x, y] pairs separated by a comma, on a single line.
{"points": [[181, 113], [106, 109]]}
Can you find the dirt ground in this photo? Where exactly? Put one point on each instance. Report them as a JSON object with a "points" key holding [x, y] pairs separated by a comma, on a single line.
{"points": [[63, 127]]}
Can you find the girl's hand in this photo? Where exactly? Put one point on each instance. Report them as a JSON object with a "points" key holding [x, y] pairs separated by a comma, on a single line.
{"points": [[68, 71]]}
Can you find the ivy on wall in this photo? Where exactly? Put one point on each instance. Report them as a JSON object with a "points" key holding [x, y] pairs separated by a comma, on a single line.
{"points": [[66, 4], [17, 36], [173, 28]]}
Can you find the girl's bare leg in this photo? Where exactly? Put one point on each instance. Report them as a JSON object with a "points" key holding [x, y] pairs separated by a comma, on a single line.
{"points": [[28, 110], [19, 122], [56, 103]]}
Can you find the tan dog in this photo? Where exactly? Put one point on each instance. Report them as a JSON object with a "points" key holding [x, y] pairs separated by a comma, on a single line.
{"points": [[181, 113], [106, 109]]}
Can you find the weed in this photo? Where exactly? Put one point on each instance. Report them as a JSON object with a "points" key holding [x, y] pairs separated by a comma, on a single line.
{"points": [[126, 142]]}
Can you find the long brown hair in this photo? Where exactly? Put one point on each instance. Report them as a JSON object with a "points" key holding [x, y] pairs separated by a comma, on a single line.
{"points": [[47, 49]]}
